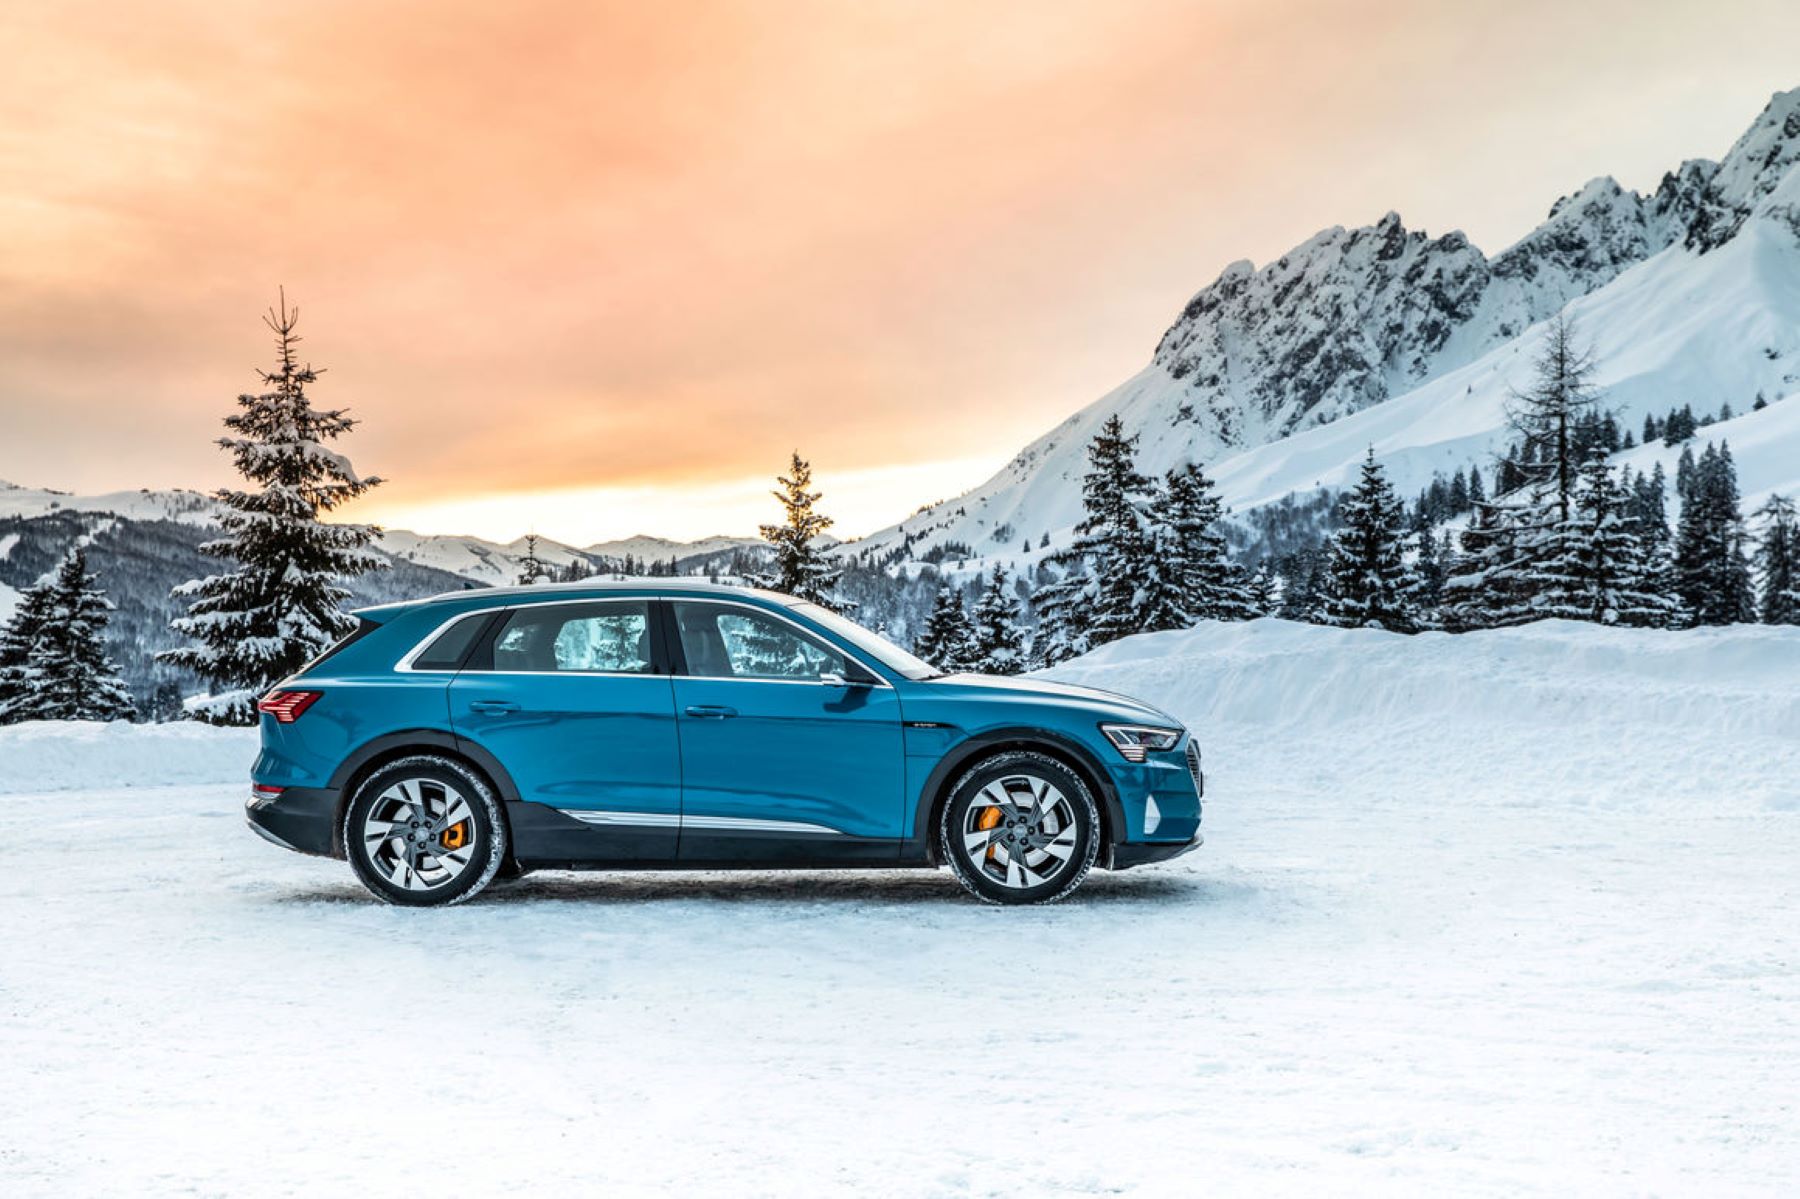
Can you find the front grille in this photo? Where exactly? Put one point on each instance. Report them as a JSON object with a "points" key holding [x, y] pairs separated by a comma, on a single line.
{"points": [[1193, 764]]}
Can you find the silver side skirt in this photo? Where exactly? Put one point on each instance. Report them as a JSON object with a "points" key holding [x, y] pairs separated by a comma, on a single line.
{"points": [[717, 823]]}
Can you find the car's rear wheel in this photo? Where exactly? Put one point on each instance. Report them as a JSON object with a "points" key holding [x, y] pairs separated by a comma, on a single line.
{"points": [[1020, 827], [424, 831]]}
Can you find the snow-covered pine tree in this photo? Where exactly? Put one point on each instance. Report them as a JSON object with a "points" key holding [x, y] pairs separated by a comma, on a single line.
{"points": [[1304, 583], [1263, 589], [802, 569], [947, 641], [280, 607], [67, 674], [1777, 563], [1111, 561], [1609, 571], [1517, 560], [1425, 580], [1063, 608], [16, 639], [1190, 575], [998, 645], [1712, 575], [1366, 582]]}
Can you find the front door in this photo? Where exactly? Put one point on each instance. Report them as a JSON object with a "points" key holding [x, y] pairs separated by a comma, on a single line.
{"points": [[573, 700], [782, 759]]}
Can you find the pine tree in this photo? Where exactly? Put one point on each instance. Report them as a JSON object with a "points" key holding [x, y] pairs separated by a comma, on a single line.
{"points": [[1778, 562], [67, 674], [533, 569], [1111, 560], [1610, 577], [1263, 589], [280, 607], [1425, 581], [1547, 413], [948, 639], [1518, 559], [1190, 574], [16, 641], [1367, 585], [1304, 584], [998, 644], [1712, 575], [802, 569]]}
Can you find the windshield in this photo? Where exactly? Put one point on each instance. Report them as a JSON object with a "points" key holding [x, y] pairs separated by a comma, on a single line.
{"points": [[873, 644]]}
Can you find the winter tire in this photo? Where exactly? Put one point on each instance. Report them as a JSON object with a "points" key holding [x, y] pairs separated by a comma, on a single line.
{"points": [[1020, 827], [425, 831]]}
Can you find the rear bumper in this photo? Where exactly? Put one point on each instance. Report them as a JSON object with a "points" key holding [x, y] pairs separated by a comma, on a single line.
{"points": [[1130, 854], [301, 819]]}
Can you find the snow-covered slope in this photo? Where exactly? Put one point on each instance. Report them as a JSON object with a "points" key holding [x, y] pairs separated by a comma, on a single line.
{"points": [[1279, 379]]}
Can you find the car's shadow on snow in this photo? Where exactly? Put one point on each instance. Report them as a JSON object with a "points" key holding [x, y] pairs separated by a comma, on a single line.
{"points": [[893, 888]]}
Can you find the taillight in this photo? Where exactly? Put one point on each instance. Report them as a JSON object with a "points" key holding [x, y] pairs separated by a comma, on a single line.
{"points": [[265, 792], [287, 706]]}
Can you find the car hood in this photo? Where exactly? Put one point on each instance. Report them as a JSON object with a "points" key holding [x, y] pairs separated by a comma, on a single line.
{"points": [[991, 686]]}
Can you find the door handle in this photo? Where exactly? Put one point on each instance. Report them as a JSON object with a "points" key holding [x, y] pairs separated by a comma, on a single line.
{"points": [[710, 711], [493, 707]]}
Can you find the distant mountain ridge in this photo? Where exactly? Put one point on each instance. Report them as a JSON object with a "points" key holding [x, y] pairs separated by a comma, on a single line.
{"points": [[470, 558]]}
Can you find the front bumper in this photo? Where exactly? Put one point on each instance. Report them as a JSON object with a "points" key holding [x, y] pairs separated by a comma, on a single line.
{"points": [[1129, 854], [300, 818]]}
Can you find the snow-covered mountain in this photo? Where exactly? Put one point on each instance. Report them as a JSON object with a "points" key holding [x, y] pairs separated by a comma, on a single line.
{"points": [[470, 558], [1279, 378], [494, 563]]}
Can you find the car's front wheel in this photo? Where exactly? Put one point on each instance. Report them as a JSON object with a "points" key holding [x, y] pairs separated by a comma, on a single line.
{"points": [[1020, 827], [424, 831]]}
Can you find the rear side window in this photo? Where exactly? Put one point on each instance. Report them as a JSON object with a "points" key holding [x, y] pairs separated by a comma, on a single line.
{"points": [[453, 644], [608, 638]]}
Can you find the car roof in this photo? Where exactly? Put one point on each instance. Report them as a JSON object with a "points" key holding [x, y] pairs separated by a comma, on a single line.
{"points": [[586, 587]]}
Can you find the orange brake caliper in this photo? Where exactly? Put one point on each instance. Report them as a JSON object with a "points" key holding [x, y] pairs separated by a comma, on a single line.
{"points": [[989, 818]]}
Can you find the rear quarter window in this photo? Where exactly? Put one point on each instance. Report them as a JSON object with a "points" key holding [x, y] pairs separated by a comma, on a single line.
{"points": [[450, 648]]}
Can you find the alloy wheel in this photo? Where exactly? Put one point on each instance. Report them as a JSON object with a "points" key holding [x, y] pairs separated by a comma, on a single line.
{"points": [[1020, 831], [420, 834]]}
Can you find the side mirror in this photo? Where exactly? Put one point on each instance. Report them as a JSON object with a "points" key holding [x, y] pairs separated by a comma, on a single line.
{"points": [[831, 678]]}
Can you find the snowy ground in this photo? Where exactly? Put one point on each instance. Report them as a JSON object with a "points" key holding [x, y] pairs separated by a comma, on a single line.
{"points": [[1501, 913]]}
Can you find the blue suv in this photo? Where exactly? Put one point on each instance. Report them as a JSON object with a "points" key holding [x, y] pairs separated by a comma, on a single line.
{"points": [[596, 726]]}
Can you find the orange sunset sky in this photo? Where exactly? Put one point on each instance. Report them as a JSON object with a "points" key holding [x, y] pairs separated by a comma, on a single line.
{"points": [[593, 269]]}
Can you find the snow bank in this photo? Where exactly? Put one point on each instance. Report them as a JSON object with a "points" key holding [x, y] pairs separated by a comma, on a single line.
{"points": [[53, 755], [1741, 681]]}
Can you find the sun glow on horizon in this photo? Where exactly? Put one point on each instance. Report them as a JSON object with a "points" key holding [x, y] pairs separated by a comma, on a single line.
{"points": [[859, 502]]}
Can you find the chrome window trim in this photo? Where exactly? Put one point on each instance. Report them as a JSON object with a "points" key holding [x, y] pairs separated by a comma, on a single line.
{"points": [[405, 664]]}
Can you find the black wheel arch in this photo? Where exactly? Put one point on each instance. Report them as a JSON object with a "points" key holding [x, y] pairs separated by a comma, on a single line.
{"points": [[373, 755], [1071, 753]]}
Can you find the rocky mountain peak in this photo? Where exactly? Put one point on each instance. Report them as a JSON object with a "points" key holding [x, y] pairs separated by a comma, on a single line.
{"points": [[1750, 171]]}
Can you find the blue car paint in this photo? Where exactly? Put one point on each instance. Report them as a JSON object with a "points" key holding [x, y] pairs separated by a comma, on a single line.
{"points": [[864, 764]]}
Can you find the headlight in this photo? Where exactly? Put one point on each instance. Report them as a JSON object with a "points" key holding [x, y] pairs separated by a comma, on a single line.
{"points": [[1134, 741]]}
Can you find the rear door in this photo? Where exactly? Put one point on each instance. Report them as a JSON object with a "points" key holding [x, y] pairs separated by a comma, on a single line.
{"points": [[576, 702], [780, 758]]}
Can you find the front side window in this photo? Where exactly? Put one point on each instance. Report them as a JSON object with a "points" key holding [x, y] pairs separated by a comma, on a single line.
{"points": [[726, 641], [613, 638]]}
